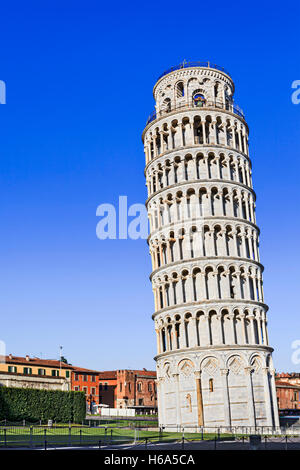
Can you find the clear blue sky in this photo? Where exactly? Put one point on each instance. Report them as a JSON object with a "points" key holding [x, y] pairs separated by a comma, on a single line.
{"points": [[79, 79]]}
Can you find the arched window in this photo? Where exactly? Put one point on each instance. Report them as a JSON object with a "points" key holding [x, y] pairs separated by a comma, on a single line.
{"points": [[179, 90], [211, 385], [199, 100], [166, 105]]}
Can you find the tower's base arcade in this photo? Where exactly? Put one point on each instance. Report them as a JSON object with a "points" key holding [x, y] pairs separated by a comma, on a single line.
{"points": [[228, 388]]}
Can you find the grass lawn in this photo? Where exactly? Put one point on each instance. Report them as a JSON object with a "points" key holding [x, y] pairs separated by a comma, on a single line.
{"points": [[26, 436]]}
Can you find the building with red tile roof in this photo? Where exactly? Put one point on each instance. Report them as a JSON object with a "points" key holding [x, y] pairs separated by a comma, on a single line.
{"points": [[115, 388]]}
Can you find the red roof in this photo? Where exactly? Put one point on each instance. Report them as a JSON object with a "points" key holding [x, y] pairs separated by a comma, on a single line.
{"points": [[85, 371], [36, 361], [108, 374], [281, 383]]}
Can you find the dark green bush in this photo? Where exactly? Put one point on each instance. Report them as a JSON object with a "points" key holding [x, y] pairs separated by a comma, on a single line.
{"points": [[33, 405]]}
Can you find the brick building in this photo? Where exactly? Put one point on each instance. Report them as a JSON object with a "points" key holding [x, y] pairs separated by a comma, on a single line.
{"points": [[107, 388], [129, 389], [288, 391], [87, 381]]}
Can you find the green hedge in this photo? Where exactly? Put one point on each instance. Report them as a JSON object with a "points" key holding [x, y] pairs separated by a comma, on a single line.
{"points": [[33, 405]]}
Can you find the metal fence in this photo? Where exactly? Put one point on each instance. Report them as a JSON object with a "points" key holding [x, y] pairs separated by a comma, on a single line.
{"points": [[186, 64], [39, 436], [208, 104], [57, 436]]}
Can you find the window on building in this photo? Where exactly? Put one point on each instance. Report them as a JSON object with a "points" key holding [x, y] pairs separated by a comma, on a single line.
{"points": [[139, 386], [67, 374], [105, 386], [211, 385], [93, 378], [76, 377], [27, 370], [199, 99], [55, 373], [100, 387], [121, 387], [41, 371], [179, 90], [84, 378], [84, 389], [141, 401], [93, 392], [129, 387], [76, 389], [149, 387], [12, 369]]}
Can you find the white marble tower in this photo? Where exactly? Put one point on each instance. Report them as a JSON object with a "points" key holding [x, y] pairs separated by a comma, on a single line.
{"points": [[214, 364]]}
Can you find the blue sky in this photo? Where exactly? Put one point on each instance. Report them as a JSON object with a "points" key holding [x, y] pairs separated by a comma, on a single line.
{"points": [[79, 79]]}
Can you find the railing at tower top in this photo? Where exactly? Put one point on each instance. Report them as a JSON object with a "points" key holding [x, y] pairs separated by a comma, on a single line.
{"points": [[202, 105], [185, 65]]}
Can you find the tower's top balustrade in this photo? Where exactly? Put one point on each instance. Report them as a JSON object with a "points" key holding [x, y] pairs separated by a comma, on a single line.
{"points": [[197, 64]]}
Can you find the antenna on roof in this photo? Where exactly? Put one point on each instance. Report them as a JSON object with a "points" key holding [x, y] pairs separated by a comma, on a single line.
{"points": [[60, 350]]}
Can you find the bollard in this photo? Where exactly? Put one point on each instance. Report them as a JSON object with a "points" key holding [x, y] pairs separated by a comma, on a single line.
{"points": [[215, 443], [111, 432], [45, 447], [202, 436], [182, 445], [255, 441], [286, 442]]}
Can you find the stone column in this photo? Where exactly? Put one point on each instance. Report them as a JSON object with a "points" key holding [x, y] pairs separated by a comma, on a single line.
{"points": [[265, 372], [242, 316], [274, 398], [199, 399], [158, 344], [177, 393], [193, 332], [251, 410], [182, 343], [224, 381], [207, 323], [219, 318], [161, 401], [170, 140], [253, 338], [168, 342], [189, 289], [203, 132], [264, 330]]}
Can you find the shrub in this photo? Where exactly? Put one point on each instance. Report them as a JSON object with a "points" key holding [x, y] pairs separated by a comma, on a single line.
{"points": [[33, 405]]}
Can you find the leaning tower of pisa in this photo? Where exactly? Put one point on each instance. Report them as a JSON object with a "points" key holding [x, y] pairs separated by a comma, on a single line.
{"points": [[214, 364]]}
